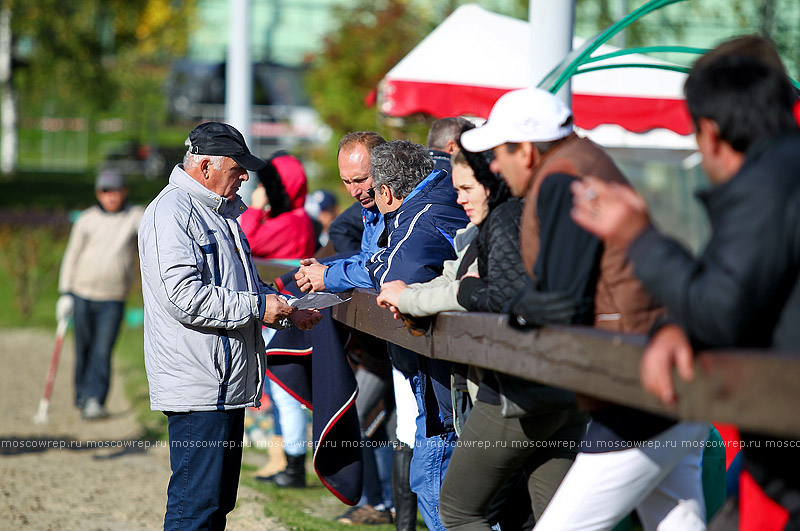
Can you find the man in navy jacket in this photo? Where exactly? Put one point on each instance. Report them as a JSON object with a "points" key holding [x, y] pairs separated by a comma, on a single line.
{"points": [[421, 217]]}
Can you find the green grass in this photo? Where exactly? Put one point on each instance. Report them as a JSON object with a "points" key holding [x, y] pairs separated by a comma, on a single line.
{"points": [[30, 257], [129, 355], [37, 242], [309, 509]]}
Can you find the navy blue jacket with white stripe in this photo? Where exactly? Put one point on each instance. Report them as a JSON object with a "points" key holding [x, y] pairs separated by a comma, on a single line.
{"points": [[419, 235], [419, 238]]}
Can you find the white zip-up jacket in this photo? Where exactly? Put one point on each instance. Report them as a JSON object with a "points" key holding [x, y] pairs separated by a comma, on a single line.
{"points": [[203, 301]]}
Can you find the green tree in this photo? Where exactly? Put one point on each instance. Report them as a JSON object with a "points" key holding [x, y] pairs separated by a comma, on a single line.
{"points": [[369, 39], [83, 52], [85, 57]]}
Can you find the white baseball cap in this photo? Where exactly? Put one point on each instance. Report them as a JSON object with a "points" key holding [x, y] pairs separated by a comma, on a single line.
{"points": [[525, 115]]}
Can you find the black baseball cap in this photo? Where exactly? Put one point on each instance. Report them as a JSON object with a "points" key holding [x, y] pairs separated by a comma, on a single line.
{"points": [[217, 138]]}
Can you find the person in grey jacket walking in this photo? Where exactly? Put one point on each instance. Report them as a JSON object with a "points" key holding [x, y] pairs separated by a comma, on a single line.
{"points": [[204, 307]]}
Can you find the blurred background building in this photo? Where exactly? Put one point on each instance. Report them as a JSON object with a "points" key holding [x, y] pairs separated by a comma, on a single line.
{"points": [[104, 83]]}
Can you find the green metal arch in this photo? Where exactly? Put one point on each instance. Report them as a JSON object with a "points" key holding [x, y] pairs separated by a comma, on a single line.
{"points": [[574, 63]]}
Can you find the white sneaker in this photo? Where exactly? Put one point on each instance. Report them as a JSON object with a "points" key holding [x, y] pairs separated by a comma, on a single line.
{"points": [[93, 410]]}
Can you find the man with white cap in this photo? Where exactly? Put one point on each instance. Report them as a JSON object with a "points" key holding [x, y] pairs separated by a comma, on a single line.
{"points": [[628, 459], [542, 436]]}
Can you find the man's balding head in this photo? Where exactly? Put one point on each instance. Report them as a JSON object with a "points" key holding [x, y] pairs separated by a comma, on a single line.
{"points": [[353, 161], [445, 132]]}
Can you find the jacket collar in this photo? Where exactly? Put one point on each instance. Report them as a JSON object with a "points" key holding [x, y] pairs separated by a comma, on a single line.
{"points": [[441, 159], [422, 187], [370, 215], [213, 201], [424, 183], [465, 236], [551, 154], [709, 196]]}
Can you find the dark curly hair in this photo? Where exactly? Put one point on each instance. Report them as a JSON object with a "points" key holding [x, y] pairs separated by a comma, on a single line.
{"points": [[479, 163]]}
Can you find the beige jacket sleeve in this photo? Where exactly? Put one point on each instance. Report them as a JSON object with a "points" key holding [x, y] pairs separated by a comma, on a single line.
{"points": [[75, 243], [441, 293]]}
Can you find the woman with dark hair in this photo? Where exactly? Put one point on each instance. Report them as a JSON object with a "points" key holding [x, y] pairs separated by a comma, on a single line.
{"points": [[276, 224]]}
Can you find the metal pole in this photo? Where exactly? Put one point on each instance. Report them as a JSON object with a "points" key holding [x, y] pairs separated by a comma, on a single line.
{"points": [[552, 24], [8, 103], [239, 80]]}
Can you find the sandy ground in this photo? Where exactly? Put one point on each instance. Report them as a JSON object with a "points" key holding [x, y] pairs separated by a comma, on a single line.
{"points": [[74, 474]]}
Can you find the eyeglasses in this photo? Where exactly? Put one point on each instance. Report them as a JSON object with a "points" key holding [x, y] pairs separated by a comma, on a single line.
{"points": [[371, 193]]}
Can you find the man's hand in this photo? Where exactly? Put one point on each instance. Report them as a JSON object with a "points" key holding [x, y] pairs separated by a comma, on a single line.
{"points": [[65, 307], [611, 211], [306, 319], [668, 348], [276, 308], [310, 276]]}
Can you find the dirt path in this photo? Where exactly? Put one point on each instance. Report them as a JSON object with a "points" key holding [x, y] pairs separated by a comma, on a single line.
{"points": [[72, 474]]}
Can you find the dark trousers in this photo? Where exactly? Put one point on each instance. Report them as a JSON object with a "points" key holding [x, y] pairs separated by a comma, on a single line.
{"points": [[205, 454], [96, 328], [377, 450], [492, 448]]}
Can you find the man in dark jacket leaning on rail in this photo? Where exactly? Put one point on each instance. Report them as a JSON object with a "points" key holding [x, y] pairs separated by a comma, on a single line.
{"points": [[422, 217], [742, 291]]}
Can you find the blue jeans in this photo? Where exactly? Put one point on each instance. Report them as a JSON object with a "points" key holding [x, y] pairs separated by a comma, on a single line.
{"points": [[96, 328], [429, 464], [205, 455]]}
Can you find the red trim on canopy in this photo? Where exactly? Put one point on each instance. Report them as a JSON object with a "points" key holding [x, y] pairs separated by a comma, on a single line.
{"points": [[444, 99], [634, 114], [439, 99]]}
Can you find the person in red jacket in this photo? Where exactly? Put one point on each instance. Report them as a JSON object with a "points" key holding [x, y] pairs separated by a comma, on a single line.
{"points": [[276, 224]]}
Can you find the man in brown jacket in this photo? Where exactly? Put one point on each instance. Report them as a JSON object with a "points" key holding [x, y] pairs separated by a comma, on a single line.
{"points": [[539, 435], [628, 459]]}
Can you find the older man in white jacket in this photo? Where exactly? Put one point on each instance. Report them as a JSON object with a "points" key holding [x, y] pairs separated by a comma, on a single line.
{"points": [[204, 307]]}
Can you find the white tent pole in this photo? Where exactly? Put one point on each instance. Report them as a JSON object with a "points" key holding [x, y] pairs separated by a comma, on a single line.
{"points": [[239, 80], [551, 22]]}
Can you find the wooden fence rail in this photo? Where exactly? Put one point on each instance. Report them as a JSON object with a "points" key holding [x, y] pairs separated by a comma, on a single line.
{"points": [[758, 391]]}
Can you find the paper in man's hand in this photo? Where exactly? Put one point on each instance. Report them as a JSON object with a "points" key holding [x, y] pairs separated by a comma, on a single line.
{"points": [[318, 300]]}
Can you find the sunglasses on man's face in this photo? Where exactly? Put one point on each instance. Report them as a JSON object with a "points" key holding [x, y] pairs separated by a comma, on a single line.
{"points": [[371, 193]]}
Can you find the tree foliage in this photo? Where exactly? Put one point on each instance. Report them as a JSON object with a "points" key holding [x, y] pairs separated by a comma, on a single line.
{"points": [[369, 39], [87, 55]]}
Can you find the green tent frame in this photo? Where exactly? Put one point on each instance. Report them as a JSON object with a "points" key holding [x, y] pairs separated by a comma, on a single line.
{"points": [[575, 62]]}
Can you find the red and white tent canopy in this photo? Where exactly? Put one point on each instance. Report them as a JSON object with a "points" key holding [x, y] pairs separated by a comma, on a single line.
{"points": [[475, 56]]}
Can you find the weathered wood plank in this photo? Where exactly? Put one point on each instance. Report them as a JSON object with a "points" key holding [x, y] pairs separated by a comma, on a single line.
{"points": [[755, 390]]}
